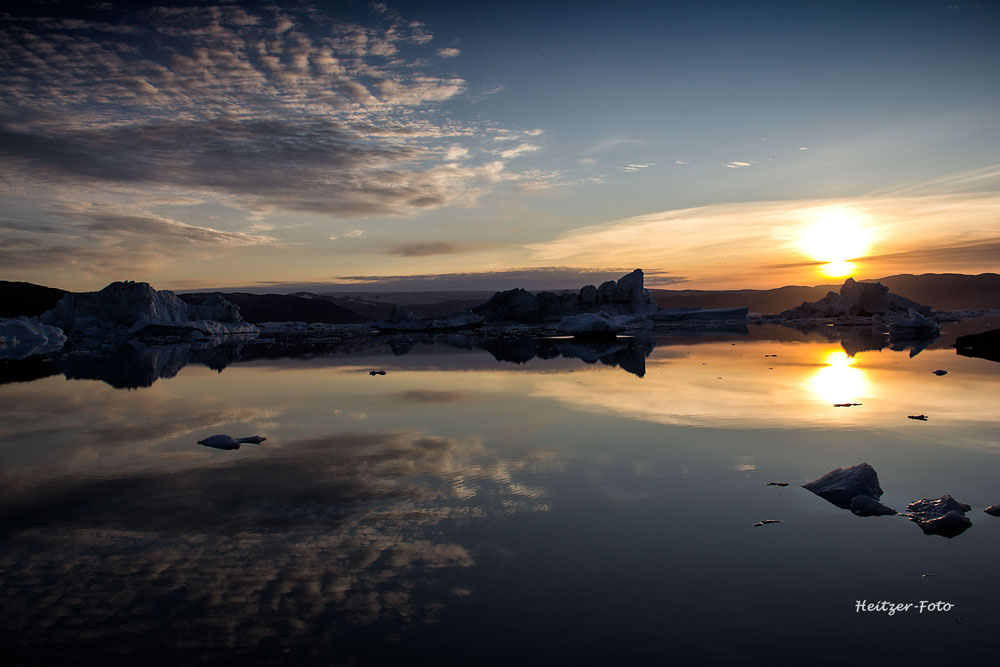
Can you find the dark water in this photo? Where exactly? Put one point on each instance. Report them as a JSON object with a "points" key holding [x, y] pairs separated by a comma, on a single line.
{"points": [[566, 505]]}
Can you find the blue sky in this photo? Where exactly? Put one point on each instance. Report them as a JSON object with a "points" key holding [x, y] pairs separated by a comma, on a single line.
{"points": [[207, 144]]}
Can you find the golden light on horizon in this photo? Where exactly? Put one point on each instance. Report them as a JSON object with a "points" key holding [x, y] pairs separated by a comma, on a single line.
{"points": [[839, 269], [836, 235]]}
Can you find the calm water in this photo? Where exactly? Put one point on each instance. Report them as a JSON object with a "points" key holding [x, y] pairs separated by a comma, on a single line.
{"points": [[552, 507]]}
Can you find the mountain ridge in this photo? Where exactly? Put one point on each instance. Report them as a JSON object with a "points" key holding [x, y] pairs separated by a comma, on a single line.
{"points": [[940, 291]]}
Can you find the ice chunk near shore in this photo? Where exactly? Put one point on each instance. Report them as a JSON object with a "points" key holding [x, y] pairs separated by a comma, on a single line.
{"points": [[913, 326], [854, 488], [855, 299], [624, 296], [27, 330], [22, 336], [942, 516], [125, 309], [403, 321], [595, 325]]}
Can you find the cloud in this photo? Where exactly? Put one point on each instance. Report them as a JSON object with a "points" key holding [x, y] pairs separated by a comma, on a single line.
{"points": [[449, 52], [737, 165], [757, 244], [982, 253], [99, 241], [261, 107], [428, 248], [631, 168], [612, 143], [519, 150], [354, 234]]}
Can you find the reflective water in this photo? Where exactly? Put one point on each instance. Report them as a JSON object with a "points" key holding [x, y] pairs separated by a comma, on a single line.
{"points": [[524, 502]]}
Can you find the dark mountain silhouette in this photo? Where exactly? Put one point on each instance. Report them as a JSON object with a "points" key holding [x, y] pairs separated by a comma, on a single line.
{"points": [[940, 291], [381, 310], [758, 301], [283, 308], [28, 299], [948, 291]]}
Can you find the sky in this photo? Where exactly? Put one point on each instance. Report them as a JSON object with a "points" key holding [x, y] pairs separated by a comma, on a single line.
{"points": [[477, 146]]}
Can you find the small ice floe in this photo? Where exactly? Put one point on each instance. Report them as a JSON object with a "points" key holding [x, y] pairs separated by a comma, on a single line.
{"points": [[939, 372], [942, 516], [767, 521], [223, 441], [376, 372], [592, 325], [855, 488], [914, 325], [919, 418], [23, 337]]}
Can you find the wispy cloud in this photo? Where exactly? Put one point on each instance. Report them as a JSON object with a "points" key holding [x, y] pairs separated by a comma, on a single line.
{"points": [[612, 143], [631, 168], [96, 241], [736, 164], [519, 150], [429, 248], [758, 243], [449, 52]]}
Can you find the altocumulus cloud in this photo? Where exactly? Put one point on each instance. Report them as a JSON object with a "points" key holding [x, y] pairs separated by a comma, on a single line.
{"points": [[262, 107]]}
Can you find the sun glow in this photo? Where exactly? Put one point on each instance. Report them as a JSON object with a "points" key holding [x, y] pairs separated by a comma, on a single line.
{"points": [[839, 269], [836, 235], [838, 381]]}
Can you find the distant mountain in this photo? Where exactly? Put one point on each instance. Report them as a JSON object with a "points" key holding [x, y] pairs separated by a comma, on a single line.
{"points": [[758, 301], [283, 308], [940, 291], [28, 299], [947, 291], [430, 305]]}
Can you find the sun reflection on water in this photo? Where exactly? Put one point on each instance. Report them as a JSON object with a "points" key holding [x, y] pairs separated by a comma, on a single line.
{"points": [[839, 380]]}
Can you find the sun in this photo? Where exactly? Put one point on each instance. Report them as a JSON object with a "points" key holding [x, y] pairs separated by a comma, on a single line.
{"points": [[835, 235]]}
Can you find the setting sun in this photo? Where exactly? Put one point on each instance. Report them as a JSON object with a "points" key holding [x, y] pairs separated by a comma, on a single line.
{"points": [[835, 236]]}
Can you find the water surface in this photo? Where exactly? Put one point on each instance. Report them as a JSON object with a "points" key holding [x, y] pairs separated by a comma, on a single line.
{"points": [[560, 505]]}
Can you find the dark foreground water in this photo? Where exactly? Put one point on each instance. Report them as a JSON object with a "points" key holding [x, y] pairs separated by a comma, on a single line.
{"points": [[465, 510]]}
